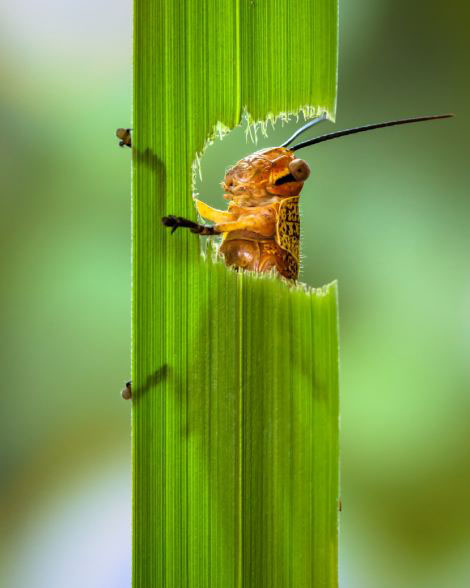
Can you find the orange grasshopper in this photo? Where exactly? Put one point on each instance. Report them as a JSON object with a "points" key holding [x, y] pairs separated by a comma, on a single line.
{"points": [[261, 228]]}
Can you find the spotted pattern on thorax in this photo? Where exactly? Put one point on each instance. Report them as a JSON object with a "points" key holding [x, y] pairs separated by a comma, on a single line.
{"points": [[288, 235]]}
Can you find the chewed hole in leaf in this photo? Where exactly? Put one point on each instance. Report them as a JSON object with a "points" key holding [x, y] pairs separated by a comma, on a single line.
{"points": [[229, 147]]}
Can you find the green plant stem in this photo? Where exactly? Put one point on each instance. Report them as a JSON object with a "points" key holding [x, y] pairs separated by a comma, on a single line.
{"points": [[235, 408]]}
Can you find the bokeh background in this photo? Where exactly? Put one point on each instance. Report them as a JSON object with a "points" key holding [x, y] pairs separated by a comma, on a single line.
{"points": [[385, 213]]}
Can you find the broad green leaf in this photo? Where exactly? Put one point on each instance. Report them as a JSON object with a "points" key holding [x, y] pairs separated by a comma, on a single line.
{"points": [[235, 408]]}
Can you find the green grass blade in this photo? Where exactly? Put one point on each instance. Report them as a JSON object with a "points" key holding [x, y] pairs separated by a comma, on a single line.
{"points": [[235, 410]]}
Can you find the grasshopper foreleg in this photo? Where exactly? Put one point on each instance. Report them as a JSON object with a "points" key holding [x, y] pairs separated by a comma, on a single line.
{"points": [[177, 221]]}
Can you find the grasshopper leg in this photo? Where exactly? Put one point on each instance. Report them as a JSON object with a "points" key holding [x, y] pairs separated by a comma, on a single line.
{"points": [[174, 222]]}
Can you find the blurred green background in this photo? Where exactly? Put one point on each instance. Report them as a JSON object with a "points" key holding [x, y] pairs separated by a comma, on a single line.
{"points": [[386, 213]]}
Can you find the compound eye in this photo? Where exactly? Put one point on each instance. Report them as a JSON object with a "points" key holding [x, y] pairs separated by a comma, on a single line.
{"points": [[299, 169]]}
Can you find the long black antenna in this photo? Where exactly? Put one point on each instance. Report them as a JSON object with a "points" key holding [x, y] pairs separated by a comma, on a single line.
{"points": [[391, 123], [303, 129]]}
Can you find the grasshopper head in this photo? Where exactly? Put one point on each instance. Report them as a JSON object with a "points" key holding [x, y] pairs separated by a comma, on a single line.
{"points": [[258, 178]]}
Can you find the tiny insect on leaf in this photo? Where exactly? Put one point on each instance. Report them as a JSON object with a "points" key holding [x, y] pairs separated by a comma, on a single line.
{"points": [[125, 137], [126, 392]]}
